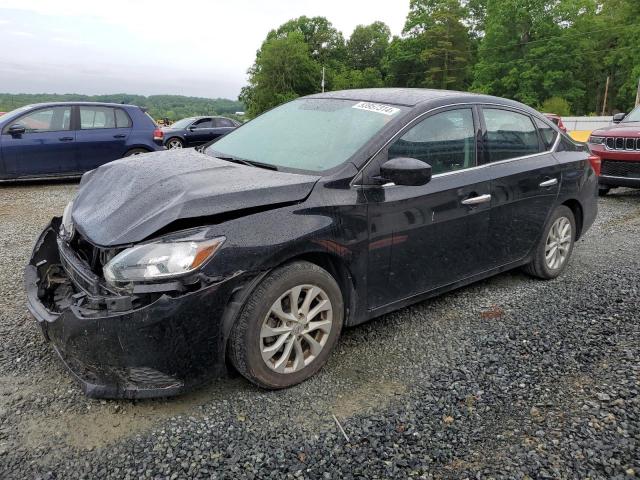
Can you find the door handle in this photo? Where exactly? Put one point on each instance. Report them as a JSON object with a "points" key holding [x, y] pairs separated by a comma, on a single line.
{"points": [[477, 200], [65, 139], [120, 135], [549, 183]]}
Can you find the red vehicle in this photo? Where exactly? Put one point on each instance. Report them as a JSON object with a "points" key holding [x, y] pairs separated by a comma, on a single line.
{"points": [[557, 120], [618, 147]]}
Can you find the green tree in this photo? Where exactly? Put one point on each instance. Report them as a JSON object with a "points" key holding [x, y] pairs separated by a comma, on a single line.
{"points": [[284, 70], [524, 54], [436, 50], [326, 44], [556, 105], [367, 46]]}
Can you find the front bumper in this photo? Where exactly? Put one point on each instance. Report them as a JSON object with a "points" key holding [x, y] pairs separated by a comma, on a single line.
{"points": [[613, 181], [159, 349]]}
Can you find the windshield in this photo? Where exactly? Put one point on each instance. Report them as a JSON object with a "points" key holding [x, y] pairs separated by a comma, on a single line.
{"points": [[184, 123], [634, 115], [307, 134]]}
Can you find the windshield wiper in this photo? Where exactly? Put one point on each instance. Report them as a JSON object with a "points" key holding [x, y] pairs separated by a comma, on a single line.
{"points": [[247, 162]]}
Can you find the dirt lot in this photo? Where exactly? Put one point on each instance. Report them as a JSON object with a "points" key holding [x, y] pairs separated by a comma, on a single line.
{"points": [[508, 378]]}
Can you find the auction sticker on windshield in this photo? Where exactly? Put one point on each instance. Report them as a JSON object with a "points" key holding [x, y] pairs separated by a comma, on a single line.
{"points": [[376, 107]]}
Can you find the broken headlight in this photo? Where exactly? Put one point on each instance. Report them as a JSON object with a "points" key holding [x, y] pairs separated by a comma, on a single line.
{"points": [[67, 228], [160, 260]]}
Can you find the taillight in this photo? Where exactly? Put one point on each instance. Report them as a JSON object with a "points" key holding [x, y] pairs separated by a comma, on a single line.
{"points": [[596, 163], [158, 134]]}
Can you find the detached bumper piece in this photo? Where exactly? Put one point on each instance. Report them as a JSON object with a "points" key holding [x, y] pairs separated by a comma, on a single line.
{"points": [[147, 345]]}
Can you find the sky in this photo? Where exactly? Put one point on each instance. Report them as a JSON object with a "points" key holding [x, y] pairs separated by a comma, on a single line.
{"points": [[149, 47]]}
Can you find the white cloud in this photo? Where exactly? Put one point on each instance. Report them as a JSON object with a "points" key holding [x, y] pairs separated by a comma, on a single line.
{"points": [[209, 42]]}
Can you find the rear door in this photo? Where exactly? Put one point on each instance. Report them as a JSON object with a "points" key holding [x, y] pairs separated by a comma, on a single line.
{"points": [[525, 180], [102, 135], [47, 147]]}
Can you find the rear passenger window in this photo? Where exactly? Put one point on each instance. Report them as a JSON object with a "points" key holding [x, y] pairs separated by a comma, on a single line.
{"points": [[446, 141], [96, 117], [549, 135], [122, 119], [223, 122], [509, 134]]}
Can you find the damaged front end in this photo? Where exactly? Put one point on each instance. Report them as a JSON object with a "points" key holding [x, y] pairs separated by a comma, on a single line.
{"points": [[125, 339]]}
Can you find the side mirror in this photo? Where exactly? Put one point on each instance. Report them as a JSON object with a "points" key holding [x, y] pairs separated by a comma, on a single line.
{"points": [[16, 129], [192, 128], [618, 117], [406, 171]]}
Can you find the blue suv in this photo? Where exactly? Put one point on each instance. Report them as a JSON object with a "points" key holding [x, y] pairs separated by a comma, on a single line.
{"points": [[67, 139]]}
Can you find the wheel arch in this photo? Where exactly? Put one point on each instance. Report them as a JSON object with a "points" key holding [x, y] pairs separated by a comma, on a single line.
{"points": [[578, 214], [138, 147], [333, 264]]}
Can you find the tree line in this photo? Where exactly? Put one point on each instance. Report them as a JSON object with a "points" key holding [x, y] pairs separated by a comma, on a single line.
{"points": [[555, 55], [173, 107]]}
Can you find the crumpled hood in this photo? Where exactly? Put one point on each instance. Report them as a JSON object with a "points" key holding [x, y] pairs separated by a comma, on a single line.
{"points": [[128, 200]]}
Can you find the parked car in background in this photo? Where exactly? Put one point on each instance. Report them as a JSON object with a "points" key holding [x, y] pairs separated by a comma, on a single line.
{"points": [[324, 212], [557, 120], [68, 139], [618, 147], [194, 131]]}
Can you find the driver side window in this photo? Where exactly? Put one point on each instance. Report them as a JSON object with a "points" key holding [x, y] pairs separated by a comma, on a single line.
{"points": [[204, 123], [446, 141]]}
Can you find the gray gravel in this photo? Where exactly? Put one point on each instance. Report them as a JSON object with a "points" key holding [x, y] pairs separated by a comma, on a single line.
{"points": [[508, 378]]}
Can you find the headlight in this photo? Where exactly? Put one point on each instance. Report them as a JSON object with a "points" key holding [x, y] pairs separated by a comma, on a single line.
{"points": [[159, 260], [596, 140], [67, 228]]}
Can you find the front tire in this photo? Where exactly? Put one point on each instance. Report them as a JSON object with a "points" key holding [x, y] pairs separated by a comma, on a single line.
{"points": [[288, 326], [554, 249]]}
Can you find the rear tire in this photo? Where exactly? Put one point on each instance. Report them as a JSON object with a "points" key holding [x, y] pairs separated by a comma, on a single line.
{"points": [[174, 143], [275, 345], [135, 151], [555, 246], [603, 191]]}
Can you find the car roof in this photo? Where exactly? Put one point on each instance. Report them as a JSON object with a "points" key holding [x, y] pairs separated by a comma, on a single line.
{"points": [[100, 104], [412, 97]]}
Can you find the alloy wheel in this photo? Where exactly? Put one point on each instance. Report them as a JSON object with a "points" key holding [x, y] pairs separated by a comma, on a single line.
{"points": [[558, 243], [296, 329], [174, 143]]}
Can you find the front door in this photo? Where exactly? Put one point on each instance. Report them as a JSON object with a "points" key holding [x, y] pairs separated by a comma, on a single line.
{"points": [[525, 180], [47, 147], [200, 132], [425, 237]]}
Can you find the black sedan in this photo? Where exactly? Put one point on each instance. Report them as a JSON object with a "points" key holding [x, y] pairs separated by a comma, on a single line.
{"points": [[321, 214], [194, 131]]}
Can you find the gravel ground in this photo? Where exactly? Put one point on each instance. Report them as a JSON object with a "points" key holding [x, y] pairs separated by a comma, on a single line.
{"points": [[508, 378]]}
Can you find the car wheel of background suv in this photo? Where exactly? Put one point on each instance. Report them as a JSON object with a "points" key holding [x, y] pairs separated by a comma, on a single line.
{"points": [[174, 142], [288, 327], [554, 249], [602, 191], [135, 151]]}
